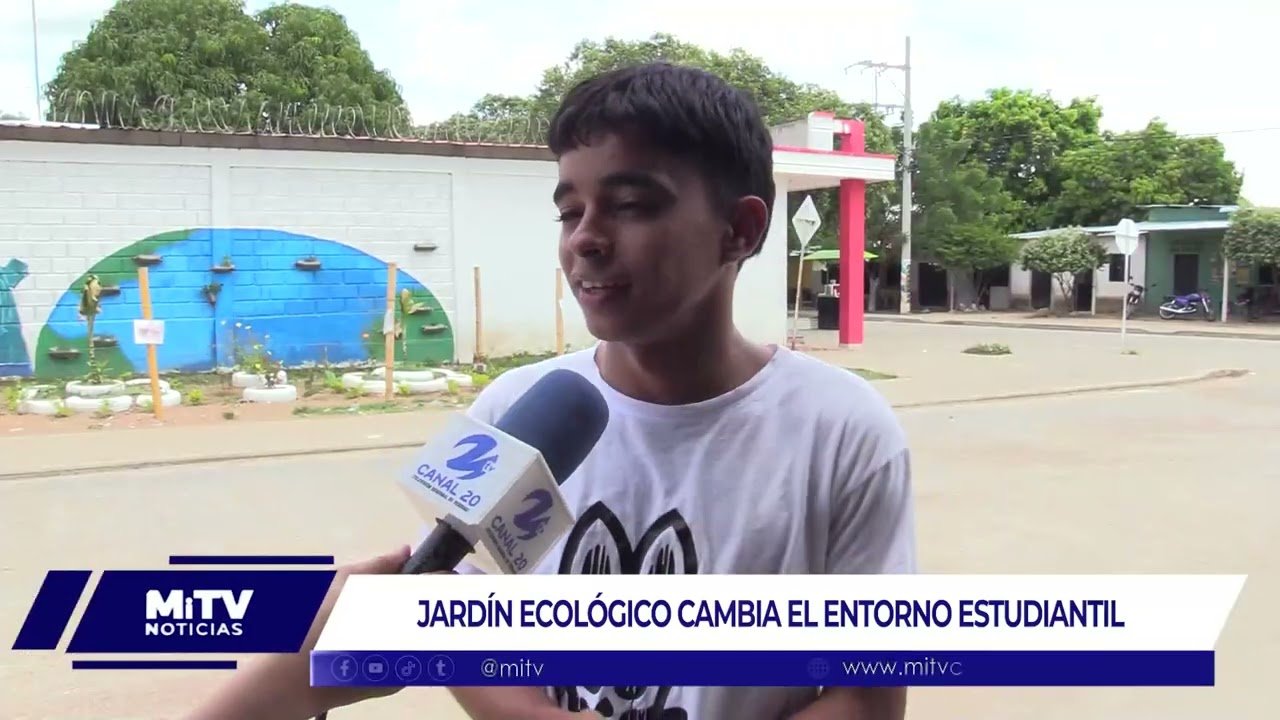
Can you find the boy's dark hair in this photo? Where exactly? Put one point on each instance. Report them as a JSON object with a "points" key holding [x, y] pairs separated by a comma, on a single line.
{"points": [[680, 110]]}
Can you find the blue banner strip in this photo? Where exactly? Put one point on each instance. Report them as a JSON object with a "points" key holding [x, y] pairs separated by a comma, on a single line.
{"points": [[51, 610], [153, 664], [764, 668], [250, 559]]}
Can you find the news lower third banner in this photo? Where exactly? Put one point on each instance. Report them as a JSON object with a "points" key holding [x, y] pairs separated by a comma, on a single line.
{"points": [[641, 630], [801, 630]]}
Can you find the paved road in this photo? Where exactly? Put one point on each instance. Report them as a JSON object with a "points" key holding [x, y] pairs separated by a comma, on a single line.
{"points": [[1172, 480]]}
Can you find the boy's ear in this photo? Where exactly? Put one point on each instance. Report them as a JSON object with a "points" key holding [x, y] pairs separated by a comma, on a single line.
{"points": [[748, 225]]}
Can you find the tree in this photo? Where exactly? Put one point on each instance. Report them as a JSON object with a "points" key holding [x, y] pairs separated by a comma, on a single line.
{"points": [[1064, 255], [1020, 137], [1108, 177], [204, 62], [1253, 237], [962, 212], [495, 118]]}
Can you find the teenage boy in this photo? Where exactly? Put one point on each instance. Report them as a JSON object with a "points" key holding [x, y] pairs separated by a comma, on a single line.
{"points": [[721, 455]]}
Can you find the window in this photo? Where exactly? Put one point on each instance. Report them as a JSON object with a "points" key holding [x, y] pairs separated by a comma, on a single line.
{"points": [[1117, 268], [1266, 274]]}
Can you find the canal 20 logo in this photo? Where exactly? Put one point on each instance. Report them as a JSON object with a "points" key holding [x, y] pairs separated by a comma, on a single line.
{"points": [[477, 461], [598, 545]]}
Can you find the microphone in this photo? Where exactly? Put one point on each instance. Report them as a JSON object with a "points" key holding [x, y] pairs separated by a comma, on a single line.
{"points": [[500, 485]]}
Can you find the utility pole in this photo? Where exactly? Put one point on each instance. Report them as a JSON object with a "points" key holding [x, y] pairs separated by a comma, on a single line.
{"points": [[35, 57], [904, 301]]}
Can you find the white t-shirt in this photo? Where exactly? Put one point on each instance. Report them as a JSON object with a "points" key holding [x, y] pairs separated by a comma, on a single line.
{"points": [[677, 489]]}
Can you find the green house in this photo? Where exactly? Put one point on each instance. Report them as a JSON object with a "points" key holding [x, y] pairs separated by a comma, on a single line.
{"points": [[1179, 252]]}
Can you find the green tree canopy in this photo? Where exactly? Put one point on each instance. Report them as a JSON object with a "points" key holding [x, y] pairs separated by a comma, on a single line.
{"points": [[496, 117], [1020, 137], [1063, 255], [187, 56], [1253, 237], [1108, 177]]}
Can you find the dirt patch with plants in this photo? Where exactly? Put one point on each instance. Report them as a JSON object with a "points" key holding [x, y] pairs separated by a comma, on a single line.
{"points": [[213, 398]]}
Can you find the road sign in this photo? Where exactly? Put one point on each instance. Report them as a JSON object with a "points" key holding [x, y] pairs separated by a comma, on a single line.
{"points": [[1127, 236], [806, 221]]}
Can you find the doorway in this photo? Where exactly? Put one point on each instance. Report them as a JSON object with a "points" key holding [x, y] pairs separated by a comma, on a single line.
{"points": [[1186, 273], [1084, 292], [1041, 290]]}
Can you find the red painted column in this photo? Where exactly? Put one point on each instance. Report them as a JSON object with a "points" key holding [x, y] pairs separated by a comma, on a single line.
{"points": [[853, 243], [853, 237]]}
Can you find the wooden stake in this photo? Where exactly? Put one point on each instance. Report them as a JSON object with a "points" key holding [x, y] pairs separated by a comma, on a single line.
{"points": [[479, 351], [389, 331], [559, 311], [153, 370]]}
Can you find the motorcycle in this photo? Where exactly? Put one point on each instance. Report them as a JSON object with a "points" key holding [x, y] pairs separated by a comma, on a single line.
{"points": [[1135, 297], [1186, 305]]}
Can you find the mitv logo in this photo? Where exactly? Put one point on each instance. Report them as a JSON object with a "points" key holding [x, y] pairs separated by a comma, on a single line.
{"points": [[197, 612], [478, 460]]}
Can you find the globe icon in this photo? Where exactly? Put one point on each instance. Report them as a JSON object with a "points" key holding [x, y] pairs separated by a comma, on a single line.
{"points": [[819, 668]]}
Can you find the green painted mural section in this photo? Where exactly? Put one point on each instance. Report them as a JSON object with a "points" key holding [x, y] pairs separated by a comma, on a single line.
{"points": [[112, 271], [427, 338]]}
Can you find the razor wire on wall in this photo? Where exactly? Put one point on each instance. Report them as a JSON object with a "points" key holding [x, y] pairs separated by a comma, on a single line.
{"points": [[245, 116]]}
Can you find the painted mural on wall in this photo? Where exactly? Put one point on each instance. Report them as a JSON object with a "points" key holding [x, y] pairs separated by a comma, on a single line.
{"points": [[313, 301], [13, 349]]}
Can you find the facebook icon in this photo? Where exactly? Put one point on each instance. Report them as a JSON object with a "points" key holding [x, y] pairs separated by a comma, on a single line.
{"points": [[440, 668], [344, 668]]}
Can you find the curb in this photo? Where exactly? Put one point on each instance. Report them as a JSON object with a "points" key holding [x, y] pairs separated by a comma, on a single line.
{"points": [[267, 455], [1082, 390], [1273, 337]]}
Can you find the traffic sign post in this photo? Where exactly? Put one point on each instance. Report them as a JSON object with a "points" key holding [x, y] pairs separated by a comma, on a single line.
{"points": [[1126, 234], [806, 221]]}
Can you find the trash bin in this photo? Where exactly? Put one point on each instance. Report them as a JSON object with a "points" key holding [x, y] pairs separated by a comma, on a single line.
{"points": [[828, 312]]}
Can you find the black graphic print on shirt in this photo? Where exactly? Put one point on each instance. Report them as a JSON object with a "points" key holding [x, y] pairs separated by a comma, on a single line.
{"points": [[599, 545]]}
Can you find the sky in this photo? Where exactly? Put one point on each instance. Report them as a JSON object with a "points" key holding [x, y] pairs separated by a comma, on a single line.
{"points": [[1204, 68]]}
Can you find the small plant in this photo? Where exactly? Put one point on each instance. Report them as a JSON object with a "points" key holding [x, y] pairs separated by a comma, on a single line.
{"points": [[228, 414], [90, 302], [60, 410], [353, 392], [402, 388], [195, 396], [453, 387], [480, 380], [333, 383], [103, 411], [12, 397], [989, 349], [97, 373], [211, 291]]}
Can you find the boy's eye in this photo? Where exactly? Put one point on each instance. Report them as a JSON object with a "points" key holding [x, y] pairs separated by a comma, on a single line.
{"points": [[568, 215]]}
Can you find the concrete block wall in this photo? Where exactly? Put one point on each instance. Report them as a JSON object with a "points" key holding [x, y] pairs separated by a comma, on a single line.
{"points": [[76, 204]]}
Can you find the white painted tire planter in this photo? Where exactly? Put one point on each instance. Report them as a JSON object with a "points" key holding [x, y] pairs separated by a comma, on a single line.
{"points": [[413, 376], [143, 385], [29, 405], [85, 390], [115, 403], [168, 398], [378, 385], [249, 380], [277, 394]]}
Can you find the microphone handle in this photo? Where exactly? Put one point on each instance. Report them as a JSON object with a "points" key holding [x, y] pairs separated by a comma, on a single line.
{"points": [[443, 549]]}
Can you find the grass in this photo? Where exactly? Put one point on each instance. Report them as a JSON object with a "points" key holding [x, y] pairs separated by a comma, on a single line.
{"points": [[988, 349], [371, 408], [871, 374]]}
